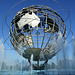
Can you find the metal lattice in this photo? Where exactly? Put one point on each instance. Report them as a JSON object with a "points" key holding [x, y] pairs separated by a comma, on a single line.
{"points": [[34, 40]]}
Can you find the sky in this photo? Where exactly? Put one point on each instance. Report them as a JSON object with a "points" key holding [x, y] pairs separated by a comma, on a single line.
{"points": [[5, 6]]}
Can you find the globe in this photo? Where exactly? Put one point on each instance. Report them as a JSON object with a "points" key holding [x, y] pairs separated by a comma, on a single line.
{"points": [[37, 30]]}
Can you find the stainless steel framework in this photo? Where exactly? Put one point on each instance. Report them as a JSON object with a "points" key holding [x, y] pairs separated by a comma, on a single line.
{"points": [[39, 38]]}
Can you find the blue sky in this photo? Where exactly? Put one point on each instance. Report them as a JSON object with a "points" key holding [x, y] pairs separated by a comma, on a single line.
{"points": [[5, 5]]}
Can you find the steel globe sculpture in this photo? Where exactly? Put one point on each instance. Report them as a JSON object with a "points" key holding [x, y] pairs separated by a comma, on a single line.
{"points": [[37, 30]]}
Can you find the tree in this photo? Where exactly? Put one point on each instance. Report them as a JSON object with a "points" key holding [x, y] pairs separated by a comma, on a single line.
{"points": [[53, 65]]}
